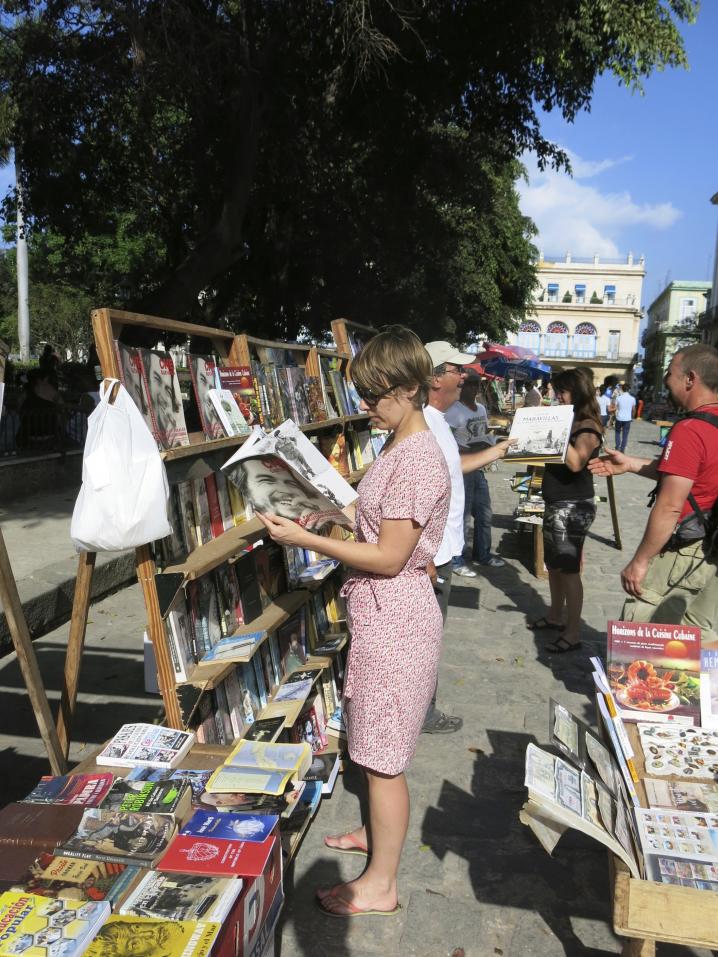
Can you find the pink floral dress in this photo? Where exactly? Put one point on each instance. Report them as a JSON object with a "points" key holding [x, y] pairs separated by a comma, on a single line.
{"points": [[395, 621]]}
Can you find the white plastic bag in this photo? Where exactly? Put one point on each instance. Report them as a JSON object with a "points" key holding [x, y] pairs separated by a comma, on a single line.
{"points": [[123, 499]]}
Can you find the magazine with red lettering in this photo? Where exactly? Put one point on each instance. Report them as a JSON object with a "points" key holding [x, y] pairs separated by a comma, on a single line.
{"points": [[165, 397], [654, 671]]}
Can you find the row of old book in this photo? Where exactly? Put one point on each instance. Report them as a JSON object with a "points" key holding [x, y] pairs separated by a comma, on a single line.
{"points": [[228, 400], [159, 856]]}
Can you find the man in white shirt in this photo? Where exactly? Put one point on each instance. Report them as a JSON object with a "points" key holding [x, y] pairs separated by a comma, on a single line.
{"points": [[625, 411], [446, 385], [604, 402], [469, 423]]}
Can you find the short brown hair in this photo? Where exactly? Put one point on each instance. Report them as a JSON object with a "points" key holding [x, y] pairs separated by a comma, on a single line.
{"points": [[395, 356], [703, 360]]}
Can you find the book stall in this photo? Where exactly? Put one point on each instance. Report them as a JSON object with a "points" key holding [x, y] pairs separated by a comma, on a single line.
{"points": [[645, 785], [179, 834]]}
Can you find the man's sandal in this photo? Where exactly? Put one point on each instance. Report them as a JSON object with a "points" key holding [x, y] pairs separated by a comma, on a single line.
{"points": [[561, 646]]}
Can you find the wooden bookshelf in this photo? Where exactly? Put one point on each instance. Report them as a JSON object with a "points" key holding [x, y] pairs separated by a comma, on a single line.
{"points": [[273, 617], [199, 444], [341, 329], [221, 549]]}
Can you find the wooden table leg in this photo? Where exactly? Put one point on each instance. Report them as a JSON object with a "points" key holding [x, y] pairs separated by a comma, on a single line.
{"points": [[27, 660], [75, 645], [614, 512], [539, 570], [635, 947]]}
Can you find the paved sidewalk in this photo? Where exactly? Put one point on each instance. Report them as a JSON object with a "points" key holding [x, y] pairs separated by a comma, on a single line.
{"points": [[472, 876]]}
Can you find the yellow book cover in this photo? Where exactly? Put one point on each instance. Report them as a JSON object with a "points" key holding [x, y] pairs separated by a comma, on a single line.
{"points": [[256, 767], [150, 937], [41, 927]]}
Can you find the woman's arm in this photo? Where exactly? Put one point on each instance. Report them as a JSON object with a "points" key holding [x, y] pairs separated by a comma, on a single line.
{"points": [[398, 537], [578, 455]]}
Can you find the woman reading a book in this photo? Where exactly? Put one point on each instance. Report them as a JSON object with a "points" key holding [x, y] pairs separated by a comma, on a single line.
{"points": [[570, 509], [394, 617]]}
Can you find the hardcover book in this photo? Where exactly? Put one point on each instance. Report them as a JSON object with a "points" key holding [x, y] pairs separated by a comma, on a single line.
{"points": [[654, 671], [203, 373], [125, 838], [216, 857], [87, 790], [146, 744], [541, 434], [38, 927], [324, 769], [153, 937], [28, 829], [165, 397], [183, 897]]}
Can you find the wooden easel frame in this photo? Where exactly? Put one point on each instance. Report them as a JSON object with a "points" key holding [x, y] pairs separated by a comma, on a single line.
{"points": [[107, 326]]}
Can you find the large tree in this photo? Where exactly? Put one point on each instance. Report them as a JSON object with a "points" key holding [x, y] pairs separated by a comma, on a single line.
{"points": [[280, 163]]}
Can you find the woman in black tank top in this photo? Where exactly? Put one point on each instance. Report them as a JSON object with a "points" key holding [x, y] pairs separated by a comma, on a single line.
{"points": [[570, 510]]}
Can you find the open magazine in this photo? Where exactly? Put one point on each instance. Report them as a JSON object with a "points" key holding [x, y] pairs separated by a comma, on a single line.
{"points": [[284, 474]]}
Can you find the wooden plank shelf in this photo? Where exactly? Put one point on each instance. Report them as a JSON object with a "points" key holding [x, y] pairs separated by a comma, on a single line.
{"points": [[201, 446], [273, 617], [221, 549]]}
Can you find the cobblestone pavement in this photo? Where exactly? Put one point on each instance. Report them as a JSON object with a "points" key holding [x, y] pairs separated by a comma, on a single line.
{"points": [[472, 876]]}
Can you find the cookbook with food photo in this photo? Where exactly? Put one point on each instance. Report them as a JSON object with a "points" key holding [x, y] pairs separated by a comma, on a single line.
{"points": [[654, 671]]}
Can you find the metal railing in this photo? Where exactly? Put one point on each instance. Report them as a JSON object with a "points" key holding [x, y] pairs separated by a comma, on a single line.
{"points": [[29, 431]]}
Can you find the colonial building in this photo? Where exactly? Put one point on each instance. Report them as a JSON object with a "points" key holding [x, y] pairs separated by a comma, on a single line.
{"points": [[586, 312], [673, 322]]}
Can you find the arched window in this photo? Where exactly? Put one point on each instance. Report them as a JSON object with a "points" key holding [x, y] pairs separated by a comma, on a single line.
{"points": [[530, 335], [556, 339], [584, 341]]}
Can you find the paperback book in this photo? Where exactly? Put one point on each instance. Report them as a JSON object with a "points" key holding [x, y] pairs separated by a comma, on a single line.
{"points": [[154, 937], [540, 434], [699, 796], [228, 412], [149, 797], [239, 381], [38, 927], [257, 768], [679, 751], [132, 376], [231, 827], [125, 838], [165, 397], [183, 897], [654, 671], [71, 879], [148, 745], [203, 373], [216, 857], [709, 688], [86, 790]]}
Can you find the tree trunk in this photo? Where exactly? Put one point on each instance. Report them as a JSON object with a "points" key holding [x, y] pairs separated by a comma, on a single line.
{"points": [[23, 297]]}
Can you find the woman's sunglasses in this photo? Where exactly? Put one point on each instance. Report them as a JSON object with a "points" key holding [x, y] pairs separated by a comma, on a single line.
{"points": [[372, 398]]}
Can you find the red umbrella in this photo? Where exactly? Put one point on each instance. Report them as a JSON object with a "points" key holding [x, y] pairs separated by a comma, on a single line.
{"points": [[494, 349], [478, 369]]}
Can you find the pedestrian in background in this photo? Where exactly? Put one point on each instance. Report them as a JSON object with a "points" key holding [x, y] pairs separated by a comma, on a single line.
{"points": [[625, 411]]}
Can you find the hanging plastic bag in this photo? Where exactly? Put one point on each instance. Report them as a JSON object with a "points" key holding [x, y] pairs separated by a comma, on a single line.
{"points": [[123, 499]]}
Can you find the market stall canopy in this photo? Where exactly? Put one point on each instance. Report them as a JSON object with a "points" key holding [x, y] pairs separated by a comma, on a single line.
{"points": [[518, 368]]}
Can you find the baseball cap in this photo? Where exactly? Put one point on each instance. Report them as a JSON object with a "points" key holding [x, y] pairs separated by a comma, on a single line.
{"points": [[441, 352]]}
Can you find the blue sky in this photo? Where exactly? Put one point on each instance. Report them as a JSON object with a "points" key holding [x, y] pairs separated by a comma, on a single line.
{"points": [[645, 169]]}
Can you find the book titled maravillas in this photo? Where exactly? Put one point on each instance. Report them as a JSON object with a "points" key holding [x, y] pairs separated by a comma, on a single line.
{"points": [[540, 434], [256, 767]]}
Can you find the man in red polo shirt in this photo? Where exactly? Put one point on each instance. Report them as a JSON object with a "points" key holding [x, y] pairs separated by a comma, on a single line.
{"points": [[674, 564]]}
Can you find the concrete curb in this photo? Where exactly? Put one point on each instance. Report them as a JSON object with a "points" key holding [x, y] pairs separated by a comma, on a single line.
{"points": [[47, 596]]}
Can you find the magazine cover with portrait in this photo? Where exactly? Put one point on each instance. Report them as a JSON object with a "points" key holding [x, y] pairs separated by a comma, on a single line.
{"points": [[165, 397]]}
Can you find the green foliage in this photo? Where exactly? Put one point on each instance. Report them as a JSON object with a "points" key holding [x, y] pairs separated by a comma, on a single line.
{"points": [[567, 297], [595, 299], [276, 164]]}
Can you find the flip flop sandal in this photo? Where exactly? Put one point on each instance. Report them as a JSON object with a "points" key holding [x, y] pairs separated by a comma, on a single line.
{"points": [[542, 624], [443, 724], [561, 646], [351, 909], [355, 846]]}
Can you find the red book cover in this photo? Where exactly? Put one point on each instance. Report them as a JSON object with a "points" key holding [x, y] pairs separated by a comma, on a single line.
{"points": [[215, 857], [215, 512], [240, 382], [654, 671]]}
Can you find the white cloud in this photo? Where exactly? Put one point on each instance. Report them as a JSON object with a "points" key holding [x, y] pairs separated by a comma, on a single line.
{"points": [[574, 216]]}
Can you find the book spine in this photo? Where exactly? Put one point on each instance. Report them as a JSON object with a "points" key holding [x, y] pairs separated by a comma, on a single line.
{"points": [[215, 512]]}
